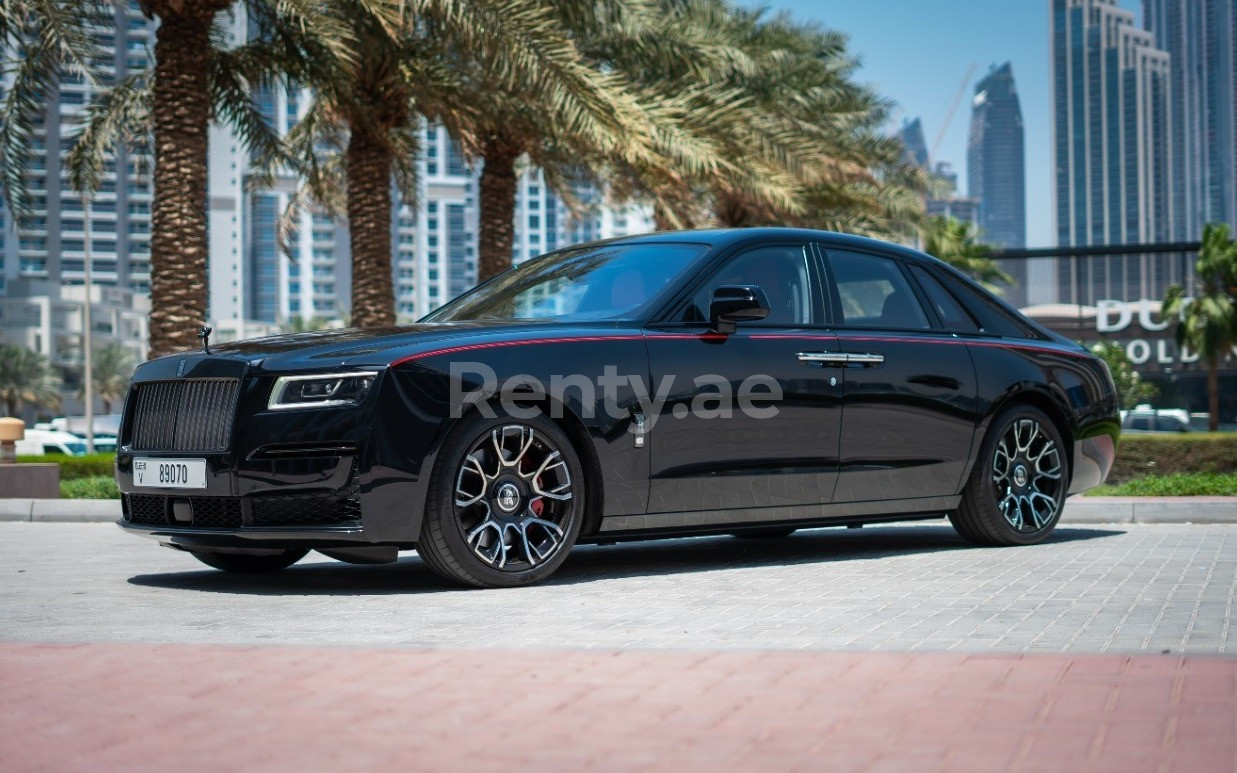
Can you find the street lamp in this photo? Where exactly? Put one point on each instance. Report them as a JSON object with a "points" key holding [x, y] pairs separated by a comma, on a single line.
{"points": [[87, 343]]}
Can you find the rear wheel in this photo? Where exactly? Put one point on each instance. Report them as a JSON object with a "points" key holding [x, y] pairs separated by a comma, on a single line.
{"points": [[249, 563], [505, 504], [1017, 489]]}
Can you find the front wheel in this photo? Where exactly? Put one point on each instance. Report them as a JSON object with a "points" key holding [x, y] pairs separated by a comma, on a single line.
{"points": [[505, 504], [249, 563], [1017, 489]]}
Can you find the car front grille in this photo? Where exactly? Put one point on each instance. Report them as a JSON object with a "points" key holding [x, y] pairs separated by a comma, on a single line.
{"points": [[315, 508], [184, 415], [143, 508]]}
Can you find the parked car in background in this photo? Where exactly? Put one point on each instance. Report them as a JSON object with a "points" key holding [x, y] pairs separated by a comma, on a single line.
{"points": [[1145, 419], [50, 442]]}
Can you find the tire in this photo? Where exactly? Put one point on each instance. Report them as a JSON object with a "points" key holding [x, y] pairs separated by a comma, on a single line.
{"points": [[1017, 489], [772, 532], [248, 563], [506, 502]]}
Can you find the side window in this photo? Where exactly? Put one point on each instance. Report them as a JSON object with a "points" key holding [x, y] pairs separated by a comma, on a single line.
{"points": [[782, 272], [947, 307], [874, 293]]}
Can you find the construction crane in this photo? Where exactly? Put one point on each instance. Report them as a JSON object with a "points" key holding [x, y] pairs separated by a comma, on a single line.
{"points": [[949, 117]]}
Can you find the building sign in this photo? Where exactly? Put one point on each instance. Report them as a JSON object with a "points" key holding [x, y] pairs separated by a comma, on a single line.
{"points": [[1149, 340]]}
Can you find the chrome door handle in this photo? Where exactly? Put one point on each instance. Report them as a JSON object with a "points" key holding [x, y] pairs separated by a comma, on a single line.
{"points": [[867, 360], [825, 358]]}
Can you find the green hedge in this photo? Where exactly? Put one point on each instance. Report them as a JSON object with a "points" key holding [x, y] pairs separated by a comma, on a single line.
{"points": [[75, 467], [1179, 484], [1172, 454], [96, 487]]}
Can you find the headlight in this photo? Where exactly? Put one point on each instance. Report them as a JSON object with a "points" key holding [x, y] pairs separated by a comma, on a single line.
{"points": [[319, 391]]}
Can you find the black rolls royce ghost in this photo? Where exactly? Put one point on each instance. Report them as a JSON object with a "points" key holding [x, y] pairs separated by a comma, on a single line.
{"points": [[749, 381]]}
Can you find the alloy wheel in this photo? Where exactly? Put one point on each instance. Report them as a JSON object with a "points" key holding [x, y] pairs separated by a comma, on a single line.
{"points": [[1027, 474], [513, 498]]}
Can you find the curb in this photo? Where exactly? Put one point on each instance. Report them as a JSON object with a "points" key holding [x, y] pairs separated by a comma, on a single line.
{"points": [[1079, 510], [60, 510]]}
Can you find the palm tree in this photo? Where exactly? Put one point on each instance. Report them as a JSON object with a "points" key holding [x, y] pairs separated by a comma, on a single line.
{"points": [[957, 243], [27, 377], [360, 133], [1208, 320], [112, 368], [48, 40], [789, 138], [172, 104], [644, 128]]}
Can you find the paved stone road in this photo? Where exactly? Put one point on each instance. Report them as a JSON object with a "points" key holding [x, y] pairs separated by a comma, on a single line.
{"points": [[1119, 589]]}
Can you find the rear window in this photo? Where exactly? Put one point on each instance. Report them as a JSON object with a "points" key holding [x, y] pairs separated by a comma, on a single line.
{"points": [[992, 319], [952, 315]]}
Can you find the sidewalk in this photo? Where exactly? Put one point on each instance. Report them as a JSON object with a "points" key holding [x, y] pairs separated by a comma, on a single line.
{"points": [[1078, 510], [192, 707]]}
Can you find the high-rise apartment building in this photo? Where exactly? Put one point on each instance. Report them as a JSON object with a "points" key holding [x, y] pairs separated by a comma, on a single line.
{"points": [[1113, 170], [44, 256], [1199, 37], [1111, 131]]}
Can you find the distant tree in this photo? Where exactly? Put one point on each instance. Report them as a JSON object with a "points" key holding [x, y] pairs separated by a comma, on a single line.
{"points": [[1208, 316], [27, 377], [1132, 390], [957, 243], [112, 368]]}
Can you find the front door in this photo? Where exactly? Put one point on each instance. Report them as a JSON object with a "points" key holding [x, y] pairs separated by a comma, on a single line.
{"points": [[749, 420]]}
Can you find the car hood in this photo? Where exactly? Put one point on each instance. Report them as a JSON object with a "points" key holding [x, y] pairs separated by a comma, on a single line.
{"points": [[355, 347]]}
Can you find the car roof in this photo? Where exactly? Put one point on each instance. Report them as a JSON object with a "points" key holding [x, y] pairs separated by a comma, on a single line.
{"points": [[727, 237]]}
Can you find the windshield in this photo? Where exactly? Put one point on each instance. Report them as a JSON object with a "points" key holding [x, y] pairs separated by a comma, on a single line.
{"points": [[598, 282]]}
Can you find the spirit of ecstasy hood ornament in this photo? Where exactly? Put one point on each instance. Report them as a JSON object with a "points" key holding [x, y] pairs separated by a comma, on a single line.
{"points": [[204, 334]]}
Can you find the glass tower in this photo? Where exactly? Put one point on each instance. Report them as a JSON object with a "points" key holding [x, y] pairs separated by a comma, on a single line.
{"points": [[1199, 36]]}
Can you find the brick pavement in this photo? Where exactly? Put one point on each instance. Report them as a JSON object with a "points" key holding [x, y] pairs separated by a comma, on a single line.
{"points": [[197, 708]]}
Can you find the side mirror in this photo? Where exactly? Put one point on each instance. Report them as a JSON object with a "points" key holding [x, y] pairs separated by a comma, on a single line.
{"points": [[732, 304]]}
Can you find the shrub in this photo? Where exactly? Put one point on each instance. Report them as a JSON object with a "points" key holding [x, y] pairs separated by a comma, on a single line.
{"points": [[94, 487], [1169, 454], [74, 467]]}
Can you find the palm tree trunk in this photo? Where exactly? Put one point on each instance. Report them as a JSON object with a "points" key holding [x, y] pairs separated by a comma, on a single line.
{"points": [[1213, 394], [178, 242], [497, 205], [369, 227]]}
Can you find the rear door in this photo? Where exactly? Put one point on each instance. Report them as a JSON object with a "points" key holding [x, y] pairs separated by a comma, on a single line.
{"points": [[909, 404]]}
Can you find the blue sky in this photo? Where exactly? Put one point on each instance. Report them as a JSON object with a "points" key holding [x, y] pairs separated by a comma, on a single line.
{"points": [[916, 52]]}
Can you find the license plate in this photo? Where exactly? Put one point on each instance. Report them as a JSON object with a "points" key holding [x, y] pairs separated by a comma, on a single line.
{"points": [[169, 473]]}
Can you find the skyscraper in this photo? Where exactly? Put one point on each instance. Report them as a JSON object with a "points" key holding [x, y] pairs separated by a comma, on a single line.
{"points": [[914, 142], [996, 172], [1111, 135], [1113, 172], [1199, 35]]}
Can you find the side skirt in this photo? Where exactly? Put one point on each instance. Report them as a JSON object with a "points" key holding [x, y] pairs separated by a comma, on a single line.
{"points": [[852, 512]]}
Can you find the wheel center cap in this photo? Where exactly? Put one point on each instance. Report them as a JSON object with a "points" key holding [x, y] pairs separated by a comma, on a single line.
{"points": [[1020, 476], [507, 497]]}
